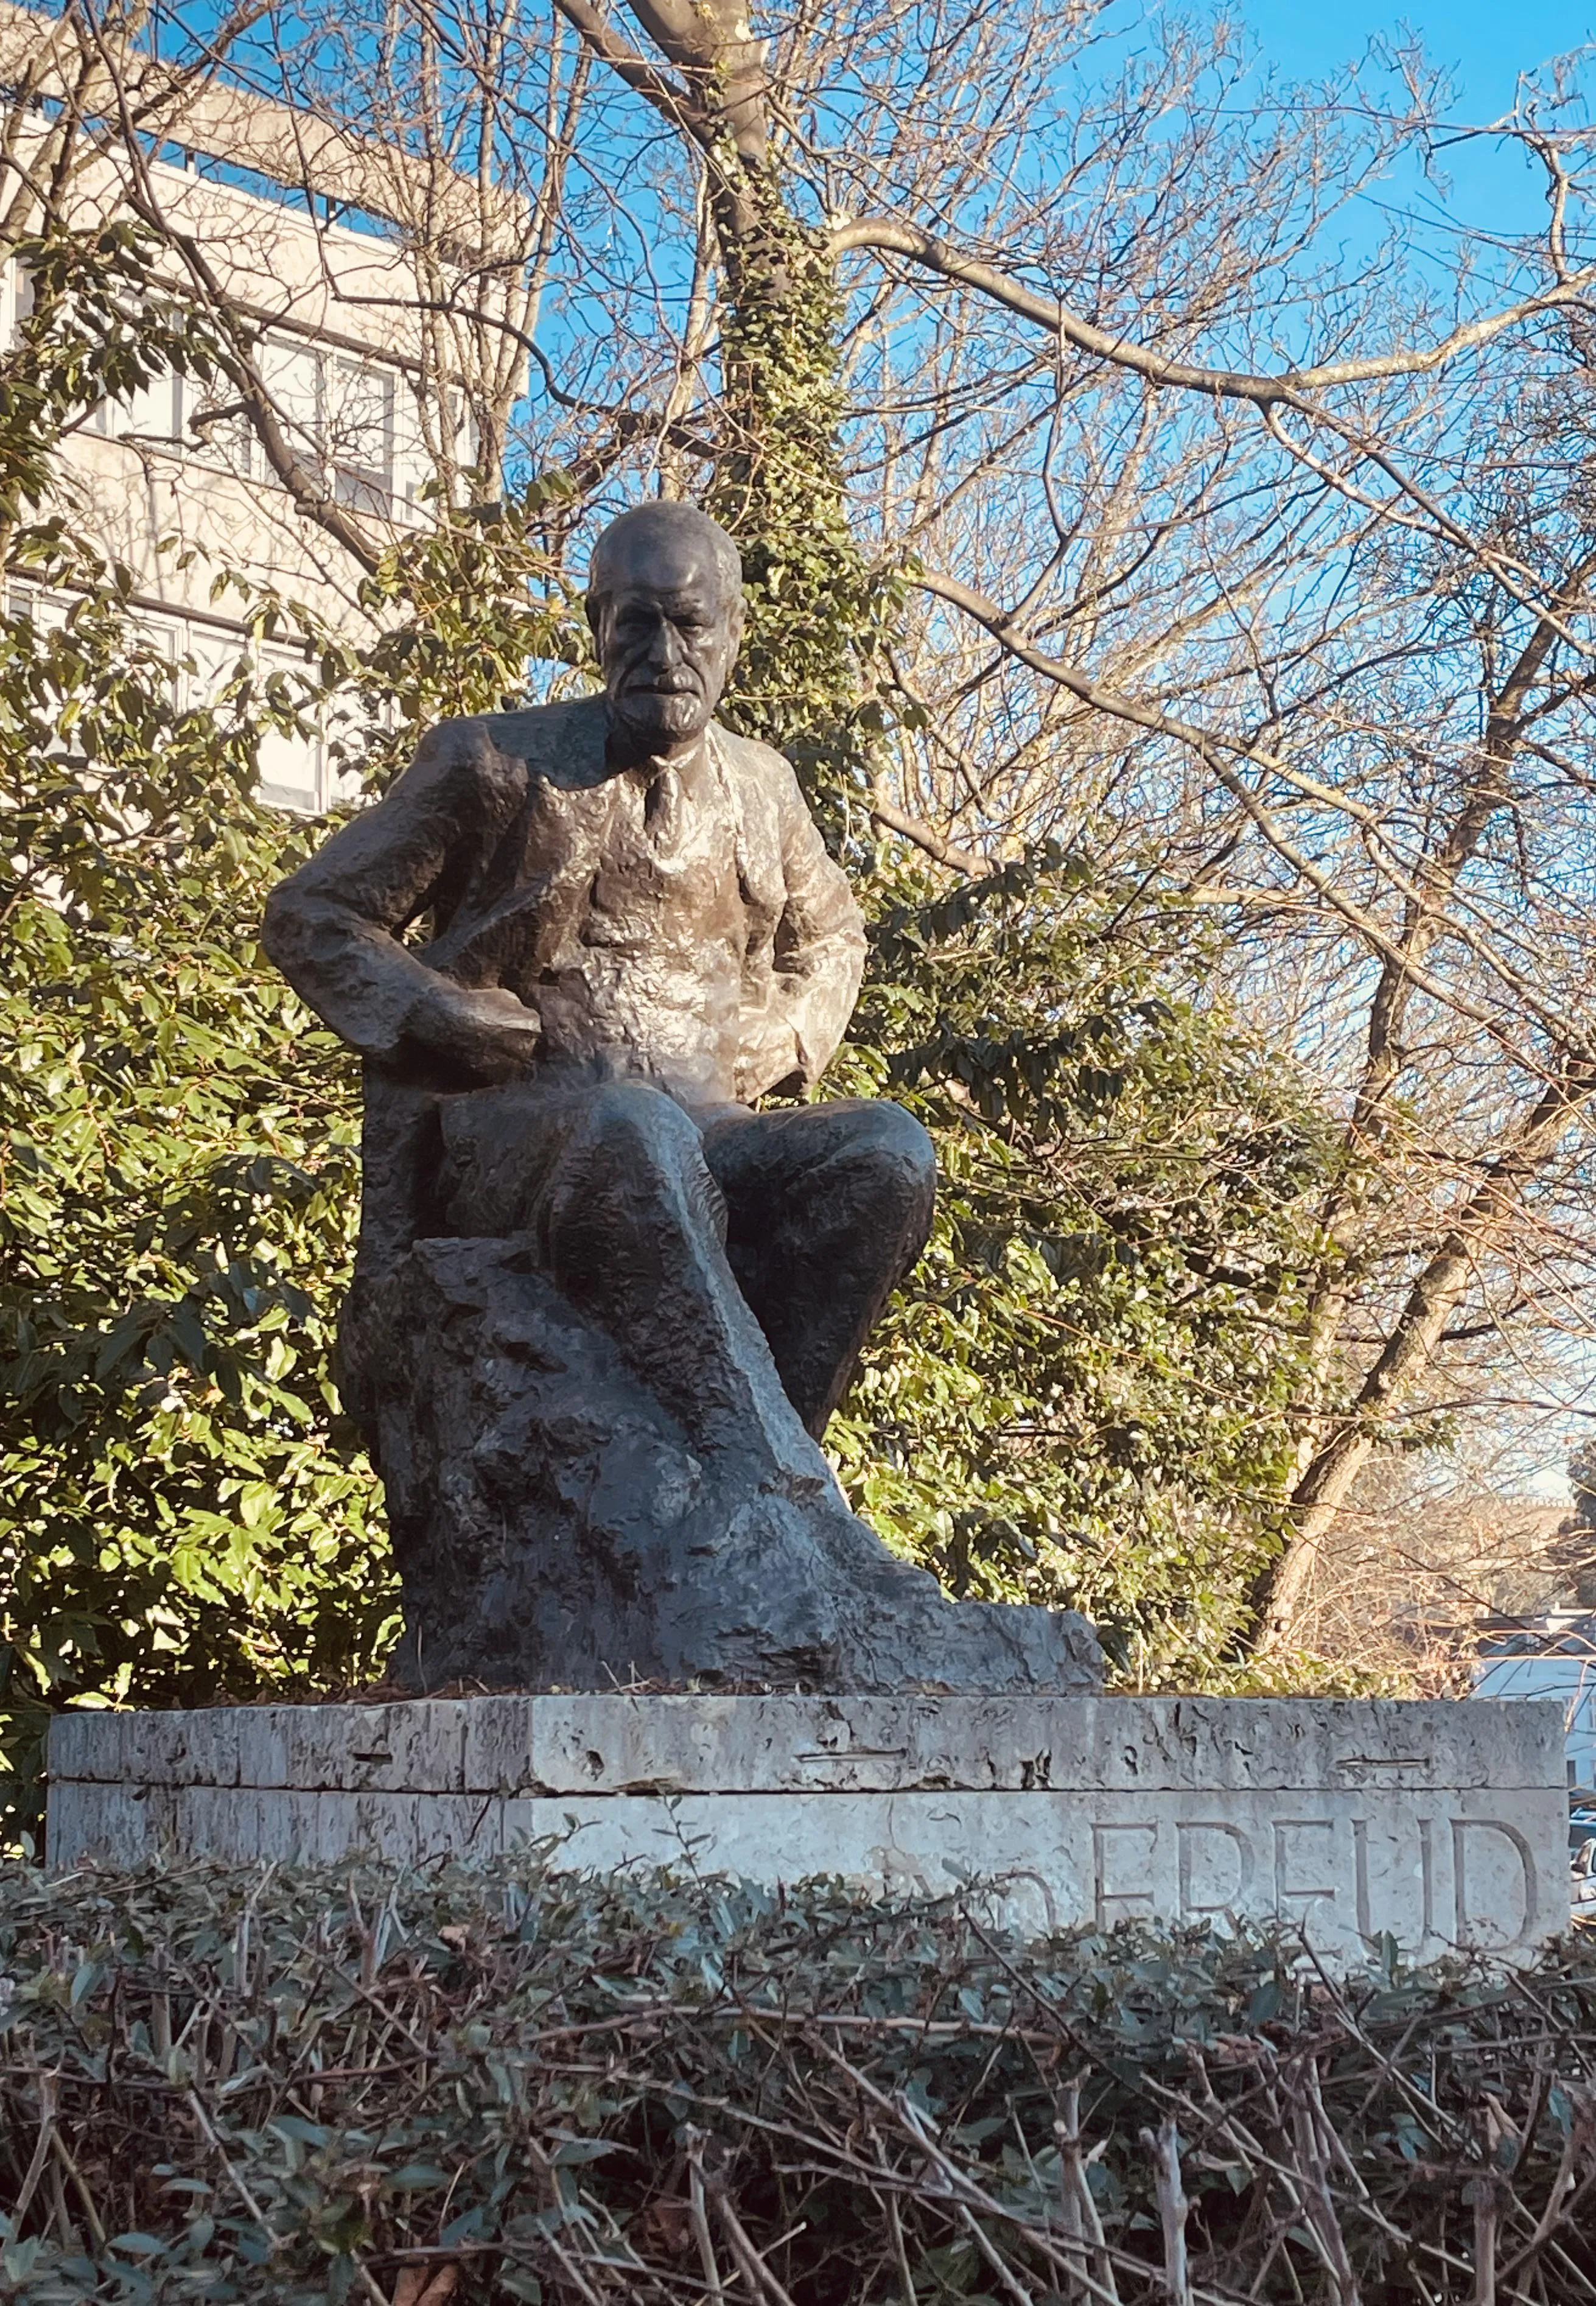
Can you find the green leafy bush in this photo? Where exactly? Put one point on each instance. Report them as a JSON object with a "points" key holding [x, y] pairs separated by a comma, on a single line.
{"points": [[182, 1511], [1085, 1393], [312, 2088]]}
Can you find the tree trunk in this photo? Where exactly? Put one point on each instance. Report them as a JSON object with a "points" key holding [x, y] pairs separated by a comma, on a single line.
{"points": [[1408, 1353], [1338, 1448], [814, 603]]}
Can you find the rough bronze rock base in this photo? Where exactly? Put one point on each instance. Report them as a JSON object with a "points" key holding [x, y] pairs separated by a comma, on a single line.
{"points": [[552, 1529]]}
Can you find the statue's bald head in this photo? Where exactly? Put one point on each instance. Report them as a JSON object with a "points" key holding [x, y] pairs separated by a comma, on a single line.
{"points": [[665, 602], [654, 539]]}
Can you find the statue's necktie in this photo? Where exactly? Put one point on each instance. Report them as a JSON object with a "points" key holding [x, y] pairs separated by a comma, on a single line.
{"points": [[662, 812]]}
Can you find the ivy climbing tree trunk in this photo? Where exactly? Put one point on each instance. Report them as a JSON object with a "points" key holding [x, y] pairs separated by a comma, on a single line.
{"points": [[818, 612]]}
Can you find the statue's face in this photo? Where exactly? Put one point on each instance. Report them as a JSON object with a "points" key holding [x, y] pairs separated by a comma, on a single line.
{"points": [[666, 639]]}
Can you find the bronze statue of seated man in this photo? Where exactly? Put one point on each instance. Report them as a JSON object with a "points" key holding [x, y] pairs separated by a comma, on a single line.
{"points": [[631, 931]]}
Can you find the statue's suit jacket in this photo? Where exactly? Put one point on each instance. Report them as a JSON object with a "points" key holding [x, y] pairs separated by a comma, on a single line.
{"points": [[502, 841]]}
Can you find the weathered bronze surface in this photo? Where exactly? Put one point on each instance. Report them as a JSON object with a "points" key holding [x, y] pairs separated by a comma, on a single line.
{"points": [[603, 1309]]}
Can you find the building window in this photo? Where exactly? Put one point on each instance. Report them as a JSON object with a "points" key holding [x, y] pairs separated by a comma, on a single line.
{"points": [[358, 434], [153, 413], [216, 431], [16, 302], [167, 637], [293, 768], [340, 415], [291, 373]]}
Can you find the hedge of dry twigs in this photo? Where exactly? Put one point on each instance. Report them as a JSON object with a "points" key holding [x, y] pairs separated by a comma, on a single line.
{"points": [[485, 2086]]}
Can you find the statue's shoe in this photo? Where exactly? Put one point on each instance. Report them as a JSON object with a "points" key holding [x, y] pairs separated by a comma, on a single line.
{"points": [[792, 1588]]}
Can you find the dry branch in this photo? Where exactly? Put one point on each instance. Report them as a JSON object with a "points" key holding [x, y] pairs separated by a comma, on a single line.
{"points": [[367, 2071]]}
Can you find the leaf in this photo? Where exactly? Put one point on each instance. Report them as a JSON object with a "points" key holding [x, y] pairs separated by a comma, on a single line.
{"points": [[303, 2132]]}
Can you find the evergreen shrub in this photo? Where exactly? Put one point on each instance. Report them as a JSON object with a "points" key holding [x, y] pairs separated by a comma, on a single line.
{"points": [[517, 2083]]}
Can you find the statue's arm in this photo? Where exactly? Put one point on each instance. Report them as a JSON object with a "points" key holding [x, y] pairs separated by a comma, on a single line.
{"points": [[334, 927], [818, 961]]}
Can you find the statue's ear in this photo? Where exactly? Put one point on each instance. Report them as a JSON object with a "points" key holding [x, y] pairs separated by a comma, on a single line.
{"points": [[594, 607]]}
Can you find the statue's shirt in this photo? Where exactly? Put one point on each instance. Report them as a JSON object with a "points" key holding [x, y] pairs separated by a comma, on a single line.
{"points": [[683, 922]]}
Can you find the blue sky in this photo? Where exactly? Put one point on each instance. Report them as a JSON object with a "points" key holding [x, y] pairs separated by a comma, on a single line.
{"points": [[1483, 46], [1486, 44]]}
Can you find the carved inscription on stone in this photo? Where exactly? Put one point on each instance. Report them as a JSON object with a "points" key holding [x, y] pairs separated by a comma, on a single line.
{"points": [[1469, 1837], [1122, 1856], [1374, 1875], [1214, 1867]]}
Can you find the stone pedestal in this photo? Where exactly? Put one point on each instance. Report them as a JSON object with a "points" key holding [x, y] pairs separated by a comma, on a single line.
{"points": [[1440, 1823]]}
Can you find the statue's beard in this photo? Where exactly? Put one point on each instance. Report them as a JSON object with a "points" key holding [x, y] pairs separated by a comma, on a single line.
{"points": [[656, 717]]}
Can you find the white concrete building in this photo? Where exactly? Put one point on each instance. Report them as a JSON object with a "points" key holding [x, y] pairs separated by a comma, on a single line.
{"points": [[173, 484]]}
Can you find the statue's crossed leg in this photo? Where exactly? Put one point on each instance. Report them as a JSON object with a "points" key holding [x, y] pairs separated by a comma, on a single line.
{"points": [[589, 1403]]}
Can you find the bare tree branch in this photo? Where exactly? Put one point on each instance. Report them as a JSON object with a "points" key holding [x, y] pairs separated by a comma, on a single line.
{"points": [[902, 238]]}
